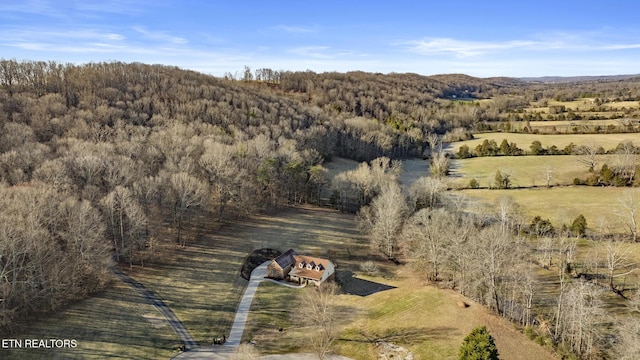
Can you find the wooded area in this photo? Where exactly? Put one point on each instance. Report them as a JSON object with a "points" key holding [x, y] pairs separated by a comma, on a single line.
{"points": [[90, 153]]}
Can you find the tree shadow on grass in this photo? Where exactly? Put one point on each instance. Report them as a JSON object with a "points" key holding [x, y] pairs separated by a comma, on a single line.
{"points": [[352, 285], [404, 335]]}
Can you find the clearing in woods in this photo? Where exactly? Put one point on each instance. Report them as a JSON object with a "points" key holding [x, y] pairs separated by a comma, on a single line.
{"points": [[561, 205], [201, 284], [523, 141], [525, 171]]}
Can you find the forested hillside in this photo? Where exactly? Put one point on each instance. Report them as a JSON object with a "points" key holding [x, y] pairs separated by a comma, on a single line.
{"points": [[88, 154]]}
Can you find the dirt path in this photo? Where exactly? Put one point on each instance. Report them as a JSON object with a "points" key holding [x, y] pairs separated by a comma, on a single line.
{"points": [[168, 314]]}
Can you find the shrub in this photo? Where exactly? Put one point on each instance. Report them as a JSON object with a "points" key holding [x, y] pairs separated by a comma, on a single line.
{"points": [[464, 152], [579, 226], [369, 267], [541, 227], [502, 181], [478, 345], [474, 184], [457, 134]]}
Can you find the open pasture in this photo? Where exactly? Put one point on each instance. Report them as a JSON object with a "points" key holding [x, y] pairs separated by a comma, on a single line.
{"points": [[116, 323], [427, 321], [582, 105], [525, 171], [561, 205], [523, 141], [201, 281]]}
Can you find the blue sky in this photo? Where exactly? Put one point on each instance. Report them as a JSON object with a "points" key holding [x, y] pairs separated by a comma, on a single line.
{"points": [[479, 38]]}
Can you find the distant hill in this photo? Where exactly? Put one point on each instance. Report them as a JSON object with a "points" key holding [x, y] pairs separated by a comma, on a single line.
{"points": [[573, 79]]}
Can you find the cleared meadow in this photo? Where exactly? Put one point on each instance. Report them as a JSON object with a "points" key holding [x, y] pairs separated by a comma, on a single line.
{"points": [[582, 105], [115, 323], [561, 205], [523, 141], [428, 322], [424, 319], [201, 282], [525, 171]]}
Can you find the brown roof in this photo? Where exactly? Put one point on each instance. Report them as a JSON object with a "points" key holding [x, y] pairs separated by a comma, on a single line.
{"points": [[306, 273]]}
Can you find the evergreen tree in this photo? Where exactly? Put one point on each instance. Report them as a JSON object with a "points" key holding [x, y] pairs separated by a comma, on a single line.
{"points": [[579, 226], [478, 345]]}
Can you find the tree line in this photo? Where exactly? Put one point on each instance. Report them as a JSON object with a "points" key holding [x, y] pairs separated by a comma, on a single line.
{"points": [[493, 257]]}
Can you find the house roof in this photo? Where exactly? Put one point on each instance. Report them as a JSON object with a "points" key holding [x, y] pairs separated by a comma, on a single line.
{"points": [[286, 258], [306, 273]]}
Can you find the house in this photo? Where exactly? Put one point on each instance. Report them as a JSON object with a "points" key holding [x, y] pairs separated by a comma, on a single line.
{"points": [[301, 269], [280, 266]]}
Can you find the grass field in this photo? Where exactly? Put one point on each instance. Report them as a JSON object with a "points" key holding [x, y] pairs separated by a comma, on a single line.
{"points": [[425, 320], [412, 169], [561, 205], [525, 171], [116, 323], [201, 283], [607, 141], [582, 105]]}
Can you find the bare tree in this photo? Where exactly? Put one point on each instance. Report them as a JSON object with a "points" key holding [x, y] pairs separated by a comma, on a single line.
{"points": [[459, 259], [526, 286], [588, 155], [548, 175], [627, 346], [434, 143], [427, 192], [627, 159], [629, 211], [186, 193], [217, 162], [440, 164], [497, 254], [127, 219], [428, 232], [566, 253], [508, 213], [618, 262], [383, 220], [582, 313], [321, 317]]}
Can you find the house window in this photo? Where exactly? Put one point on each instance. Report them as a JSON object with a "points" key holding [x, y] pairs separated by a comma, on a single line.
{"points": [[301, 265], [309, 266], [318, 268]]}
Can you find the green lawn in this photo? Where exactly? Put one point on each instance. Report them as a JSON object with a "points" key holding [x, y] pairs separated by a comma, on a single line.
{"points": [[427, 321], [525, 171], [523, 141], [116, 323], [201, 281], [561, 205]]}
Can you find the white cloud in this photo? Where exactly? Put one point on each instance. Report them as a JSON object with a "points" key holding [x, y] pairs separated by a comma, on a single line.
{"points": [[317, 52], [160, 36], [463, 48], [112, 36], [297, 29], [560, 42]]}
